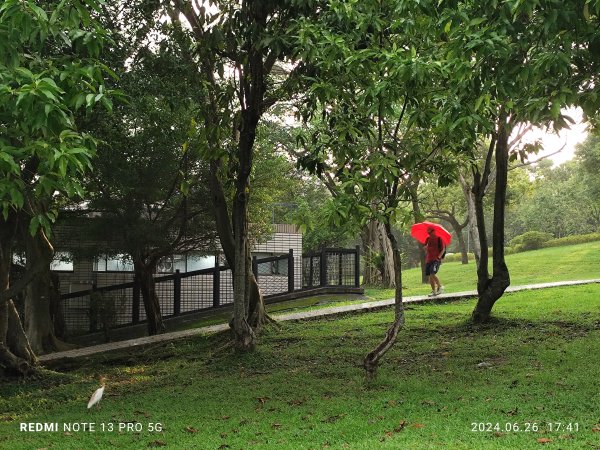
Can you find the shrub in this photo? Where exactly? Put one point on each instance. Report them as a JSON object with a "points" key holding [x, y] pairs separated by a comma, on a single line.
{"points": [[572, 240], [454, 257], [531, 240]]}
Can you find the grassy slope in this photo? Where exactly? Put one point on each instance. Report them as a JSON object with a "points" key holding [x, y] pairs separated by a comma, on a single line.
{"points": [[574, 262], [304, 387]]}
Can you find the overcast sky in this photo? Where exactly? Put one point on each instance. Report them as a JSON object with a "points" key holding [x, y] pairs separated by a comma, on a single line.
{"points": [[569, 138]]}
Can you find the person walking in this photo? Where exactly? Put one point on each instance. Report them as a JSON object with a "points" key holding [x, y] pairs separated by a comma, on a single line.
{"points": [[434, 250]]}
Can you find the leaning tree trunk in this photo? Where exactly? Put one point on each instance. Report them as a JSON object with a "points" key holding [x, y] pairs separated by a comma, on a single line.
{"points": [[371, 361], [145, 276], [39, 325], [491, 289], [16, 355]]}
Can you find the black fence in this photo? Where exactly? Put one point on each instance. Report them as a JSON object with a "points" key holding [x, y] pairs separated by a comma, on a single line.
{"points": [[180, 293], [331, 267]]}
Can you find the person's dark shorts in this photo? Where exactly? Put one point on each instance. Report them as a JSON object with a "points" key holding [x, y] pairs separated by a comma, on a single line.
{"points": [[431, 268]]}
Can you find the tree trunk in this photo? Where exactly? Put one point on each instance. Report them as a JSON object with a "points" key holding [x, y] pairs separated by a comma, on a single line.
{"points": [[379, 268], [39, 325], [418, 217], [371, 361], [145, 275], [457, 227], [56, 311], [257, 314], [369, 245], [245, 338], [388, 271], [470, 197], [16, 355], [256, 307], [491, 289]]}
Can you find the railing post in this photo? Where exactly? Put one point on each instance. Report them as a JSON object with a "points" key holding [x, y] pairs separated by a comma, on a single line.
{"points": [[135, 306], [357, 267], [310, 270], [340, 268], [291, 271], [323, 268], [216, 284], [177, 293]]}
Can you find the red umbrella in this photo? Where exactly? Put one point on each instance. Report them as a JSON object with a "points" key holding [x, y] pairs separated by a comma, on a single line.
{"points": [[420, 232]]}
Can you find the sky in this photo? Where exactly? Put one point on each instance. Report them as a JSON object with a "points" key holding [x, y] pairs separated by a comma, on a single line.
{"points": [[570, 138]]}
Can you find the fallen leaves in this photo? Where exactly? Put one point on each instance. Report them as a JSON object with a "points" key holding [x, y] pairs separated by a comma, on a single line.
{"points": [[190, 430], [544, 440], [333, 419], [400, 426], [157, 443], [263, 400], [596, 428]]}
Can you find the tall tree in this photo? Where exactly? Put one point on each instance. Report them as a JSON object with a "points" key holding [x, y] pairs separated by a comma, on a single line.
{"points": [[237, 46], [382, 128], [48, 69], [519, 62], [150, 191], [447, 204]]}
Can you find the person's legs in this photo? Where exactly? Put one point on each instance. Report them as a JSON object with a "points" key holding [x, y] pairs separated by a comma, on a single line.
{"points": [[436, 285], [433, 283], [429, 268]]}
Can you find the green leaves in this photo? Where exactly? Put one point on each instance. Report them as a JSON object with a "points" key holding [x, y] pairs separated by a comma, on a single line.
{"points": [[45, 72]]}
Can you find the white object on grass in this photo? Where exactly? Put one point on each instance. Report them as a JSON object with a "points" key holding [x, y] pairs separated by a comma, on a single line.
{"points": [[97, 395]]}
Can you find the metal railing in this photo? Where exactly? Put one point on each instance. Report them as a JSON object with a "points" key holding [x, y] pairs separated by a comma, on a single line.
{"points": [[331, 267], [180, 293]]}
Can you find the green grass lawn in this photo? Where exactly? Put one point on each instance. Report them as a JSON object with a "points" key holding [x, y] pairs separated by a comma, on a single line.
{"points": [[574, 262], [535, 366]]}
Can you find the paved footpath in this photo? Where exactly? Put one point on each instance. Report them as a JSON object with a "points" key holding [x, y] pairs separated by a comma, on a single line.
{"points": [[303, 315]]}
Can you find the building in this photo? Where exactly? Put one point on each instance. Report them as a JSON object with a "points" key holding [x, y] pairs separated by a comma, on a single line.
{"points": [[184, 283]]}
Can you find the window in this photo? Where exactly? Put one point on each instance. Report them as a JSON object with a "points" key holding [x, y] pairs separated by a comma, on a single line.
{"points": [[116, 263], [63, 261], [168, 264], [197, 262]]}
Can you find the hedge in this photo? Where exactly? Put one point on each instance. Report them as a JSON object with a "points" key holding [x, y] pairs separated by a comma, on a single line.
{"points": [[572, 240]]}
